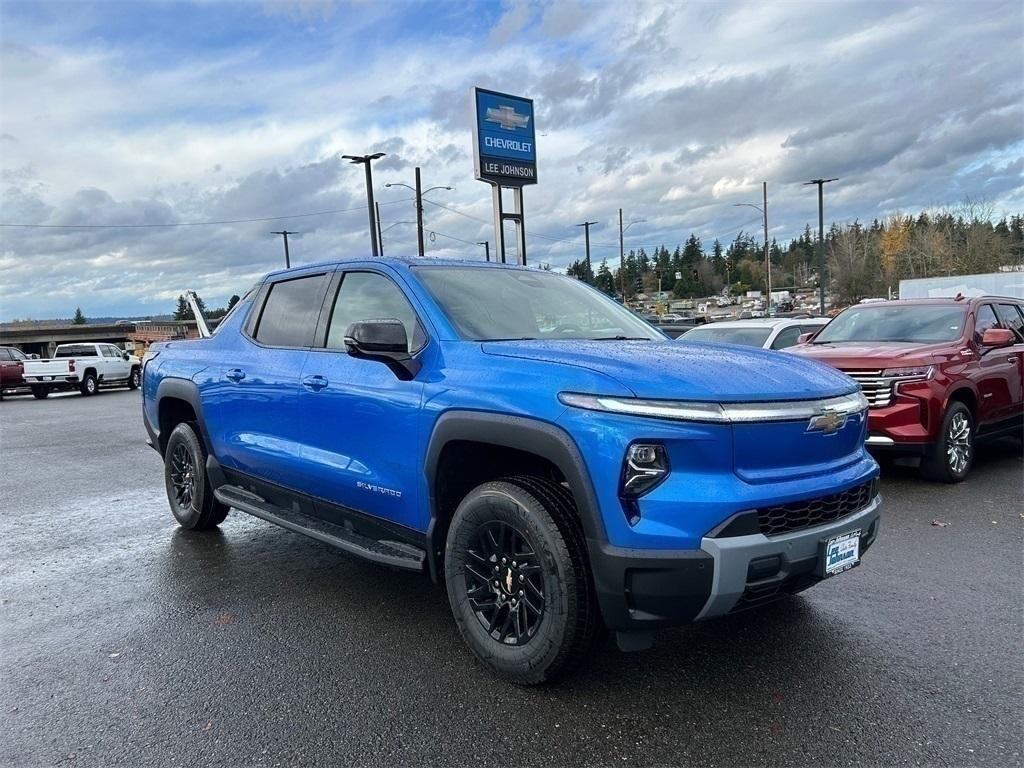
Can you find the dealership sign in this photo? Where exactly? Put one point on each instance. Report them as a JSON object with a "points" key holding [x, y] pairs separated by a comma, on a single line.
{"points": [[504, 147]]}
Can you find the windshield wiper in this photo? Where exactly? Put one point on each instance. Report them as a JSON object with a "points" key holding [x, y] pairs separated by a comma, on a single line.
{"points": [[620, 338]]}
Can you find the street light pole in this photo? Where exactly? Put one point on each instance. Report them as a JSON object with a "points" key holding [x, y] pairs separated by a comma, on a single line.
{"points": [[821, 238], [380, 232], [586, 230], [622, 261], [371, 208], [622, 253], [767, 252], [487, 249], [287, 257], [419, 192]]}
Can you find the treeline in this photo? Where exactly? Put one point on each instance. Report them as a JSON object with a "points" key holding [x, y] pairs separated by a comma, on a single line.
{"points": [[862, 260]]}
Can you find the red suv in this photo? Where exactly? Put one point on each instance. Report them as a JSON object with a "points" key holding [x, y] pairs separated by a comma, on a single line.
{"points": [[938, 374]]}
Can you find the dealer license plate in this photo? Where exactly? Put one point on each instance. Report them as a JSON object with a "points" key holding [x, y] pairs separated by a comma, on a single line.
{"points": [[842, 553]]}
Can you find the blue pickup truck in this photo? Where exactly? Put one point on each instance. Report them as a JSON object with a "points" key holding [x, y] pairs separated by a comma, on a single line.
{"points": [[557, 463]]}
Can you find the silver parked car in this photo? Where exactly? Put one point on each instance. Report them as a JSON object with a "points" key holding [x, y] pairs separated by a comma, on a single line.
{"points": [[767, 333]]}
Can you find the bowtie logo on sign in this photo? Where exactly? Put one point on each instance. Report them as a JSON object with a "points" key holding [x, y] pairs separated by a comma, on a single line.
{"points": [[507, 117]]}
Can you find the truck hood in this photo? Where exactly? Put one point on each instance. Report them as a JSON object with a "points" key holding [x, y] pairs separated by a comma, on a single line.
{"points": [[877, 354], [670, 370]]}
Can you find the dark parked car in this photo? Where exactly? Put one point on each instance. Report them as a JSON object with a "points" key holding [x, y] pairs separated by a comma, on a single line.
{"points": [[11, 368]]}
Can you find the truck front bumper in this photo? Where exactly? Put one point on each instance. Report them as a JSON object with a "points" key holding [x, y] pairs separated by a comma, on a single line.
{"points": [[646, 590]]}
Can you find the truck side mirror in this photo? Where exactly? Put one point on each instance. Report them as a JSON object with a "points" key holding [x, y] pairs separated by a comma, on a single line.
{"points": [[804, 338], [125, 356], [385, 341], [997, 337]]}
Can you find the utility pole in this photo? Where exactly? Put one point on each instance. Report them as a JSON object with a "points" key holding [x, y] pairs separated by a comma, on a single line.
{"points": [[418, 190], [287, 257], [371, 208], [586, 230], [487, 249], [821, 238]]}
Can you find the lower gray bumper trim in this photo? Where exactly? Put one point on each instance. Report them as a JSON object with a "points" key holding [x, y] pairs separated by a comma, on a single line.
{"points": [[733, 555]]}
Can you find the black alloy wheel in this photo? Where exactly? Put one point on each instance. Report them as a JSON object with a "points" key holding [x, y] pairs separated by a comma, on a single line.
{"points": [[518, 579], [189, 492], [183, 476], [505, 583]]}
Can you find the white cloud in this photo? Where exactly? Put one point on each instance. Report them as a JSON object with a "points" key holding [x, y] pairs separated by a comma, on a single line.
{"points": [[672, 112]]}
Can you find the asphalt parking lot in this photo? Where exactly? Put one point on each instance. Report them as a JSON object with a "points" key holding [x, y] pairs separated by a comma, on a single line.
{"points": [[127, 641]]}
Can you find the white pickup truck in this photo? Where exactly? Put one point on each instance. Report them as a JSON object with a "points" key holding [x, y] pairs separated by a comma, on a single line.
{"points": [[83, 367]]}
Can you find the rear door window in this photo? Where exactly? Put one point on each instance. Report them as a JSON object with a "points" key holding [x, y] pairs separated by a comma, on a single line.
{"points": [[290, 312], [5, 355]]}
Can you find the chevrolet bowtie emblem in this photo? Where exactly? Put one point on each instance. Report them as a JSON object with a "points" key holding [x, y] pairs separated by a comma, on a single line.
{"points": [[827, 422], [506, 117]]}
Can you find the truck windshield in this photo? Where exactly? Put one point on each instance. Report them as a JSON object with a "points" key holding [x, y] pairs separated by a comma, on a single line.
{"points": [[918, 323], [749, 337], [75, 350], [503, 304]]}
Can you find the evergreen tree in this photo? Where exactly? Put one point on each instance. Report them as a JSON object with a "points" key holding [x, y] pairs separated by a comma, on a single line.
{"points": [[183, 312], [604, 278], [79, 317]]}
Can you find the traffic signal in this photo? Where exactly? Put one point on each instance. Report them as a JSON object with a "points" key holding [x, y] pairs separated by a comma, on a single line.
{"points": [[639, 285], [696, 275]]}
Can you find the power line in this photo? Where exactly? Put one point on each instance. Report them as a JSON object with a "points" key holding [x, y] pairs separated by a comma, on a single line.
{"points": [[198, 223]]}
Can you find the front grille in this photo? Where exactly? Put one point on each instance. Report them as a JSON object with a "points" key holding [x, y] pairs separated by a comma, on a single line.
{"points": [[876, 388], [798, 515]]}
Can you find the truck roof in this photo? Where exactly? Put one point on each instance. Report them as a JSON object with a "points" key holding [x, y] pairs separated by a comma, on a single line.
{"points": [[404, 261]]}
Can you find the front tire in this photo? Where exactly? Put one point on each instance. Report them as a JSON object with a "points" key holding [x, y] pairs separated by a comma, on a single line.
{"points": [[40, 392], [518, 579], [88, 385], [188, 488], [950, 459], [134, 378]]}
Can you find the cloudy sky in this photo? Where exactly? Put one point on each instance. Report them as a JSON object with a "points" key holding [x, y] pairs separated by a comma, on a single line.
{"points": [[160, 113]]}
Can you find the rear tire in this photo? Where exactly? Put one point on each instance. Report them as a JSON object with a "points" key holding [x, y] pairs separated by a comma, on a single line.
{"points": [[950, 459], [40, 392], [88, 386], [134, 378], [188, 488], [518, 579]]}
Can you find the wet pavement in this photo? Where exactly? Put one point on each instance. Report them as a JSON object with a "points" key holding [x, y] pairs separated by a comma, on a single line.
{"points": [[127, 641]]}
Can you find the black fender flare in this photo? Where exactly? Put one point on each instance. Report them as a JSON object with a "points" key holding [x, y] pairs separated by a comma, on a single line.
{"points": [[179, 389], [526, 434]]}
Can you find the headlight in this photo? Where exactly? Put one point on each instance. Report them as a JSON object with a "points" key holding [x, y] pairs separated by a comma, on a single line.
{"points": [[644, 467], [914, 372], [662, 409]]}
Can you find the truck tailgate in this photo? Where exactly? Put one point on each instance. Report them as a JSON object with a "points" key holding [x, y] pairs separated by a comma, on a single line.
{"points": [[56, 368]]}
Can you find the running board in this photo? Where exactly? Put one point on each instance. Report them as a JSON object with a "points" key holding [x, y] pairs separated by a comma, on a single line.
{"points": [[394, 553]]}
